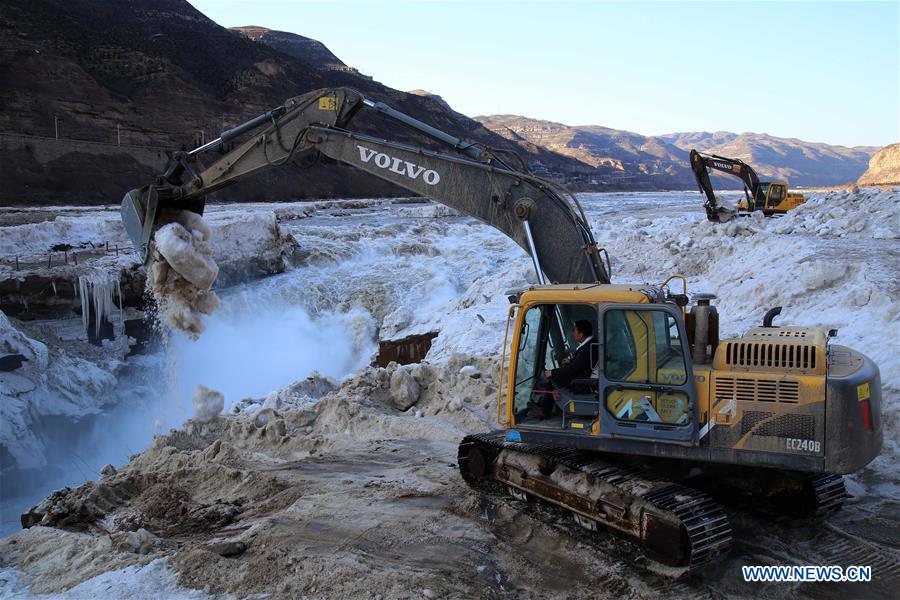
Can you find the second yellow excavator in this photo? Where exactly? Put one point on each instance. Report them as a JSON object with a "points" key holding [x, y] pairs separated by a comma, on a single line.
{"points": [[769, 197]]}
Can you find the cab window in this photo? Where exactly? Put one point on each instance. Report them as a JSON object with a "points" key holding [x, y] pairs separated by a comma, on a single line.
{"points": [[643, 348], [621, 357], [762, 195], [546, 342], [776, 194], [669, 358], [526, 363]]}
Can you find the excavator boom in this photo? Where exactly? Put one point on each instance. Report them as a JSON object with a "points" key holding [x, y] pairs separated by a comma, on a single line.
{"points": [[534, 213]]}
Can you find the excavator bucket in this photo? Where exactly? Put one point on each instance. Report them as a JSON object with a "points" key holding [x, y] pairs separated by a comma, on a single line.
{"points": [[721, 214], [139, 209]]}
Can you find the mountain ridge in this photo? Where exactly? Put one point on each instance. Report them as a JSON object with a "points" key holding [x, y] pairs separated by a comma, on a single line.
{"points": [[664, 158], [617, 155], [698, 138], [798, 161]]}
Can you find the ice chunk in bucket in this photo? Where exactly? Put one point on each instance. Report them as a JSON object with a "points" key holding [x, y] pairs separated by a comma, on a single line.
{"points": [[181, 271], [188, 254]]}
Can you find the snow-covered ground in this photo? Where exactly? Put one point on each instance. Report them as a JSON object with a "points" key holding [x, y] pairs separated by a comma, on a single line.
{"points": [[374, 269], [152, 580], [382, 269]]}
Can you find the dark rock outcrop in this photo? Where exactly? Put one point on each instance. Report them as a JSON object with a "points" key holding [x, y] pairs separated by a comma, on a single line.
{"points": [[405, 351], [11, 362], [124, 83]]}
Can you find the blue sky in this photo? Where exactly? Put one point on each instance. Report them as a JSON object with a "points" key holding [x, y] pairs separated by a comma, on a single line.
{"points": [[818, 71]]}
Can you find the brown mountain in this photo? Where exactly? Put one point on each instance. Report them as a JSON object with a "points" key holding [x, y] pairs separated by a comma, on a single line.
{"points": [[616, 155], [884, 168], [800, 163], [122, 82], [662, 161]]}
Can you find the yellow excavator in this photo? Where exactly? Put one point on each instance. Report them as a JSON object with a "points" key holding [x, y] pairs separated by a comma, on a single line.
{"points": [[664, 407], [769, 197]]}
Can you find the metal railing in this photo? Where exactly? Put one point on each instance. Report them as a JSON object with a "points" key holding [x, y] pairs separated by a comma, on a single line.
{"points": [[66, 256]]}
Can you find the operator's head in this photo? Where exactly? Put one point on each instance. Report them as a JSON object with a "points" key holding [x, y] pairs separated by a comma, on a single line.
{"points": [[583, 330]]}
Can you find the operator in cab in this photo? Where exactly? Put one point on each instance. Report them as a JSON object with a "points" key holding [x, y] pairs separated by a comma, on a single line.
{"points": [[579, 365]]}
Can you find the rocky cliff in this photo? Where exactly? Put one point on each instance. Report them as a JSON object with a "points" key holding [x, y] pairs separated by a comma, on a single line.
{"points": [[884, 167], [155, 75]]}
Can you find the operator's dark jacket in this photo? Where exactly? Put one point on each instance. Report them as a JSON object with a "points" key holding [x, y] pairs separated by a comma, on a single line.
{"points": [[579, 367]]}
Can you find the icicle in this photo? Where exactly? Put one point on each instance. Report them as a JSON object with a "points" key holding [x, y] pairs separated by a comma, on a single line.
{"points": [[83, 296], [102, 292]]}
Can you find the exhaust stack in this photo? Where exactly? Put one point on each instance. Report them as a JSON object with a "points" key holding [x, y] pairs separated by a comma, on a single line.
{"points": [[705, 318]]}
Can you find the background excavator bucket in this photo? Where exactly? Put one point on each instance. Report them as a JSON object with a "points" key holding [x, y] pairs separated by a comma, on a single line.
{"points": [[139, 208], [721, 214]]}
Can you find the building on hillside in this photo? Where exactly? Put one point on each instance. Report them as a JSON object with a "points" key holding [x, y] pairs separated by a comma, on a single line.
{"points": [[346, 69], [539, 170]]}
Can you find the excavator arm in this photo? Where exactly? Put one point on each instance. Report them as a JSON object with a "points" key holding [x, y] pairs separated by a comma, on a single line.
{"points": [[533, 212], [731, 166]]}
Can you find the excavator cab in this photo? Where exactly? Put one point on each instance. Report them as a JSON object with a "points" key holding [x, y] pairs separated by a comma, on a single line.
{"points": [[773, 192], [640, 384], [772, 197]]}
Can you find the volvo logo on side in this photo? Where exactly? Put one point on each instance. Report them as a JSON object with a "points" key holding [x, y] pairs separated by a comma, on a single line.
{"points": [[398, 165]]}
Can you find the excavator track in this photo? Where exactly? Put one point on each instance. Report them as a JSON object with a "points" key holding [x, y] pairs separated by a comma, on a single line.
{"points": [[672, 523], [828, 493]]}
